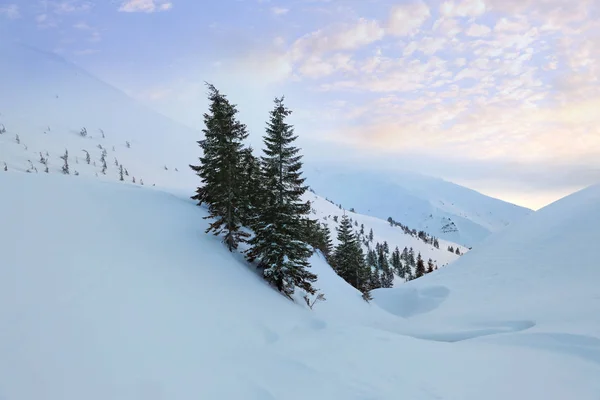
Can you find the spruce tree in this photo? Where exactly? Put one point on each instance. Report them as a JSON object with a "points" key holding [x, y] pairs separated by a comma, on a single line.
{"points": [[430, 266], [251, 189], [277, 244], [65, 167], [221, 169], [420, 271], [396, 263]]}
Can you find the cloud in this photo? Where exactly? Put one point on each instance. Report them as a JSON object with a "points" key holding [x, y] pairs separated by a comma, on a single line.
{"points": [[71, 6], [10, 11], [94, 34], [477, 30], [46, 21], [147, 6], [279, 10], [464, 8], [339, 37], [406, 19]]}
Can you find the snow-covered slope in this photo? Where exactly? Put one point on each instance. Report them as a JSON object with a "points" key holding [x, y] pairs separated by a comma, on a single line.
{"points": [[112, 291], [50, 102], [540, 275], [47, 101], [331, 215], [441, 208]]}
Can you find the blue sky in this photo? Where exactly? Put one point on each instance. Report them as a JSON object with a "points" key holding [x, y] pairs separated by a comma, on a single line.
{"points": [[499, 95]]}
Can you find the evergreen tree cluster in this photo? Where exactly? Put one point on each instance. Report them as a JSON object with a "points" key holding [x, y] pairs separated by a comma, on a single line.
{"points": [[424, 236], [263, 194]]}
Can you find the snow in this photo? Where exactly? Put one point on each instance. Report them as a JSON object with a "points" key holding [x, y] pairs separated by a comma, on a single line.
{"points": [[112, 290], [537, 279], [441, 208]]}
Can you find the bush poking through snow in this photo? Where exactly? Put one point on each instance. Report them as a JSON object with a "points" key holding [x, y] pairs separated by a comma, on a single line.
{"points": [[65, 158], [87, 156], [83, 132], [317, 298]]}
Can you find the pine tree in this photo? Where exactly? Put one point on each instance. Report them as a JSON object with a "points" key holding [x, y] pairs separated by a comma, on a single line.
{"points": [[65, 158], [430, 266], [349, 260], [104, 166], [396, 263], [87, 156], [371, 235], [220, 169], [121, 178], [420, 271], [252, 189], [277, 244]]}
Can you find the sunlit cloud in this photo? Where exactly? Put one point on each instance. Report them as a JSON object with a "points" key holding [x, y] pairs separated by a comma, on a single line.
{"points": [[146, 6]]}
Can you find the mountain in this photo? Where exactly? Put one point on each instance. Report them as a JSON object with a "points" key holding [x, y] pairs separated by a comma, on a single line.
{"points": [[113, 291], [52, 100], [535, 282], [441, 208]]}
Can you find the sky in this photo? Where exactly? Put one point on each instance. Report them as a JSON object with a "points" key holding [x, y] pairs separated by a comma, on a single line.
{"points": [[502, 96]]}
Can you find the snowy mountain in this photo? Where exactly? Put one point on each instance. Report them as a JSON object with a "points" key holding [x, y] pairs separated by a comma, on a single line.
{"points": [[441, 208], [535, 282], [113, 291], [47, 110]]}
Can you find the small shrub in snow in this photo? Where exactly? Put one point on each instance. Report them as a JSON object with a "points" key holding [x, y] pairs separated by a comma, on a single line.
{"points": [[65, 158], [17, 139], [317, 298], [128, 145], [5, 167], [87, 156], [83, 132], [2, 129]]}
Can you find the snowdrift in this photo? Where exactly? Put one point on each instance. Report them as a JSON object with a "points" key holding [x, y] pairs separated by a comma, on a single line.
{"points": [[113, 291]]}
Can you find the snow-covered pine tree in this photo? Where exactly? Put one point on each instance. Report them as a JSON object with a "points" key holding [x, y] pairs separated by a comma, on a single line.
{"points": [[429, 266], [342, 260], [220, 169], [65, 158], [121, 178], [87, 156], [420, 271], [103, 160], [252, 189], [396, 263], [277, 244]]}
